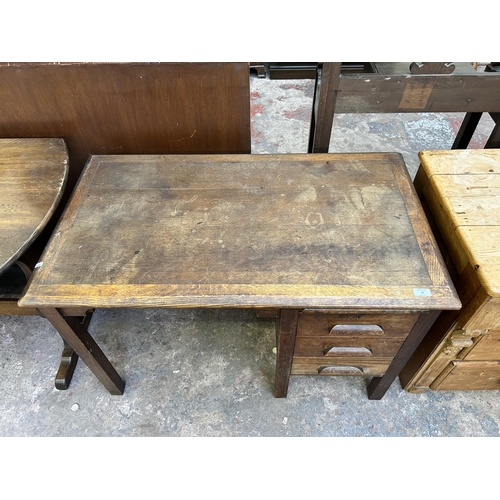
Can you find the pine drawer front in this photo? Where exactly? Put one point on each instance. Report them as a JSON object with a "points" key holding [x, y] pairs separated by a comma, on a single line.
{"points": [[334, 346], [344, 366], [469, 376], [373, 325], [486, 349]]}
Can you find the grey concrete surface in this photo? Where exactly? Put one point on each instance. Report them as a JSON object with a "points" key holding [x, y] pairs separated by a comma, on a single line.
{"points": [[196, 372]]}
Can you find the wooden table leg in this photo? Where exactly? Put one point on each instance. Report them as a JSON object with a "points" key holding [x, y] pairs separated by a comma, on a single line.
{"points": [[286, 331], [493, 141], [74, 334], [379, 385], [323, 107], [67, 366], [69, 358], [467, 130]]}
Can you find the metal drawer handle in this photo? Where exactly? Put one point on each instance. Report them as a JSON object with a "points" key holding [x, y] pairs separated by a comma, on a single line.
{"points": [[347, 351], [341, 370], [350, 329]]}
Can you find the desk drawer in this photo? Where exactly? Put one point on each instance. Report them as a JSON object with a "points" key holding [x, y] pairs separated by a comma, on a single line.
{"points": [[369, 325], [346, 346], [345, 366]]}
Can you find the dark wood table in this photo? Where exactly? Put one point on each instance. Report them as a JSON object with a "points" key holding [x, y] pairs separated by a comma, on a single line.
{"points": [[33, 177], [33, 174], [332, 240]]}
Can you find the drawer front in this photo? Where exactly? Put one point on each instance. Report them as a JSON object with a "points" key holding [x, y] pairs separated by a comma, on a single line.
{"points": [[346, 366], [486, 349], [339, 346], [355, 325], [471, 376]]}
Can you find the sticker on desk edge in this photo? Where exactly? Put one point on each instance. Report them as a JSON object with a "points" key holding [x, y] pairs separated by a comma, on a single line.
{"points": [[422, 292], [38, 264]]}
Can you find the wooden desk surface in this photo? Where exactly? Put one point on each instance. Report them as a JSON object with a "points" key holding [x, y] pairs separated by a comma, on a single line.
{"points": [[33, 174], [329, 230], [466, 186]]}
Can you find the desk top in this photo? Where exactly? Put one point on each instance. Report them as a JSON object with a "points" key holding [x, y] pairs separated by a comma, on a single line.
{"points": [[33, 174], [316, 231], [467, 185]]}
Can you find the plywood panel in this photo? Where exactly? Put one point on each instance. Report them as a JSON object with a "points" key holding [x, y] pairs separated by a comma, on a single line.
{"points": [[128, 108]]}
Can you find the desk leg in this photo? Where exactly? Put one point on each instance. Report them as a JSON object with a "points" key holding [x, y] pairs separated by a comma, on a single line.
{"points": [[286, 331], [379, 385], [494, 138], [69, 358], [75, 335]]}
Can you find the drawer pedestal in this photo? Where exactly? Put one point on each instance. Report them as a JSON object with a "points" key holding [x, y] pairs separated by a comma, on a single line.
{"points": [[335, 344]]}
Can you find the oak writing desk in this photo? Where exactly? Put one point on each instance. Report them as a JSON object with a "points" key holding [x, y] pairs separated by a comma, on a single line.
{"points": [[337, 244]]}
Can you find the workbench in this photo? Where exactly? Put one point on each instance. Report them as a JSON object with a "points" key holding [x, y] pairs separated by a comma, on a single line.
{"points": [[404, 87]]}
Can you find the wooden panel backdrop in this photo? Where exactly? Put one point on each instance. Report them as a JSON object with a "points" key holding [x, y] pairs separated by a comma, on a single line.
{"points": [[127, 108]]}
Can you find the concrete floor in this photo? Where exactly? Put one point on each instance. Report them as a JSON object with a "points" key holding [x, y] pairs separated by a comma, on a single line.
{"points": [[211, 372]]}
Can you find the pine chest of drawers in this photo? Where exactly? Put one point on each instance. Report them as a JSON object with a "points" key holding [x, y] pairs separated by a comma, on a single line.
{"points": [[460, 190]]}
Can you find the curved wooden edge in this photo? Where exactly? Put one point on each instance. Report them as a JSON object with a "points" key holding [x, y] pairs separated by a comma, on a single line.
{"points": [[43, 222]]}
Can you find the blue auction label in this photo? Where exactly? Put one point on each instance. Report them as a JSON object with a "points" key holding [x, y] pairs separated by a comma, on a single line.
{"points": [[422, 292]]}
